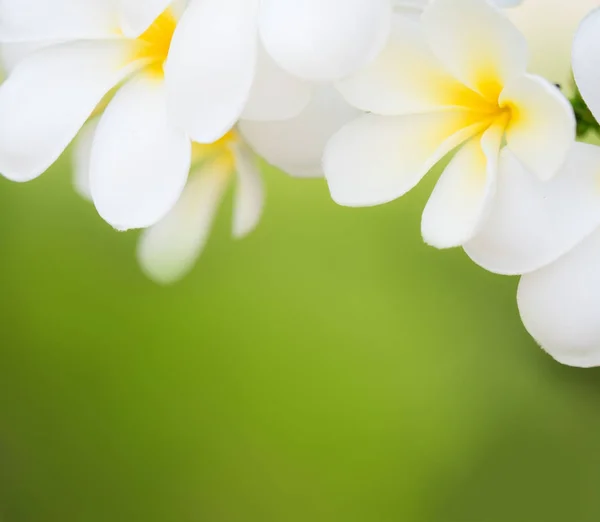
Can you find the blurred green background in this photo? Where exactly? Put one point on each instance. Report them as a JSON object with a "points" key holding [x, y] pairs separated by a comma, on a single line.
{"points": [[330, 368]]}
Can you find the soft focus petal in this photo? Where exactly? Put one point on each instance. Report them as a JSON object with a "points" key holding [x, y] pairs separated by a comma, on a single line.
{"points": [[139, 162], [249, 193], [275, 94], [39, 20], [12, 54], [324, 40], [211, 66], [406, 78], [586, 61], [476, 42], [464, 193], [376, 159], [296, 146], [542, 126], [507, 3], [138, 15], [82, 155], [168, 250], [533, 223], [560, 305], [48, 98]]}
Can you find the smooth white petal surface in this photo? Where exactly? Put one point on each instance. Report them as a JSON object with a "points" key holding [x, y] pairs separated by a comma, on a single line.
{"points": [[542, 127], [138, 15], [507, 3], [211, 66], [533, 223], [82, 156], [168, 250], [476, 42], [406, 78], [376, 159], [275, 94], [140, 163], [560, 305], [39, 20], [586, 61], [13, 53], [249, 194], [296, 146], [464, 193], [324, 40], [48, 98]]}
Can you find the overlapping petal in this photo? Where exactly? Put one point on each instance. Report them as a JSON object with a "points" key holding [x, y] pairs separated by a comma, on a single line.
{"points": [[137, 16], [168, 250], [48, 98], [406, 78], [211, 66], [560, 305], [296, 146], [532, 222], [324, 40], [542, 125], [57, 20], [464, 193], [376, 159], [140, 163], [477, 43]]}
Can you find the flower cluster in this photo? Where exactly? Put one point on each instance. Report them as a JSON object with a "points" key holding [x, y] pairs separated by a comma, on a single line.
{"points": [[171, 101]]}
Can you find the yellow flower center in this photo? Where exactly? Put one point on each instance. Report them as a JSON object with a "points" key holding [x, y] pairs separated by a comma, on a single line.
{"points": [[220, 153], [153, 46]]}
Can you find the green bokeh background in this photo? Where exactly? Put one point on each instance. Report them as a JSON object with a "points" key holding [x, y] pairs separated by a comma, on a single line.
{"points": [[331, 367]]}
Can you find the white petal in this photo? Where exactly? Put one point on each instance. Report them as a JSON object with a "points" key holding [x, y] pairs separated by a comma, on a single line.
{"points": [[560, 305], [507, 3], [324, 40], [464, 193], [140, 163], [296, 146], [586, 61], [138, 15], [39, 20], [249, 194], [168, 250], [211, 66], [82, 155], [406, 77], [13, 53], [533, 223], [542, 127], [48, 98], [275, 94], [478, 44], [376, 159]]}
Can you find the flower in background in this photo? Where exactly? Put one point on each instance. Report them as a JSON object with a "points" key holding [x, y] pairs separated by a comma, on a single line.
{"points": [[169, 249], [457, 79], [560, 302]]}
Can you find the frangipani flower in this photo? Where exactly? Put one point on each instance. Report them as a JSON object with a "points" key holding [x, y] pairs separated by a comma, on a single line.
{"points": [[168, 250], [187, 77], [458, 79]]}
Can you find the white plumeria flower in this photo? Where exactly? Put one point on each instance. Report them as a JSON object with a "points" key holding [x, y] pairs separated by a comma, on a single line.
{"points": [[185, 74], [458, 78], [168, 250]]}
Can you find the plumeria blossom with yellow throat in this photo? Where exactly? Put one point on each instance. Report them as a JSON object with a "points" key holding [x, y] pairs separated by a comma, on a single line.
{"points": [[168, 250], [456, 80]]}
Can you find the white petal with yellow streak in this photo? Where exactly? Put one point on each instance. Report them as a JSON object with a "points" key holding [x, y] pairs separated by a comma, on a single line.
{"points": [[464, 193], [477, 43], [376, 159]]}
